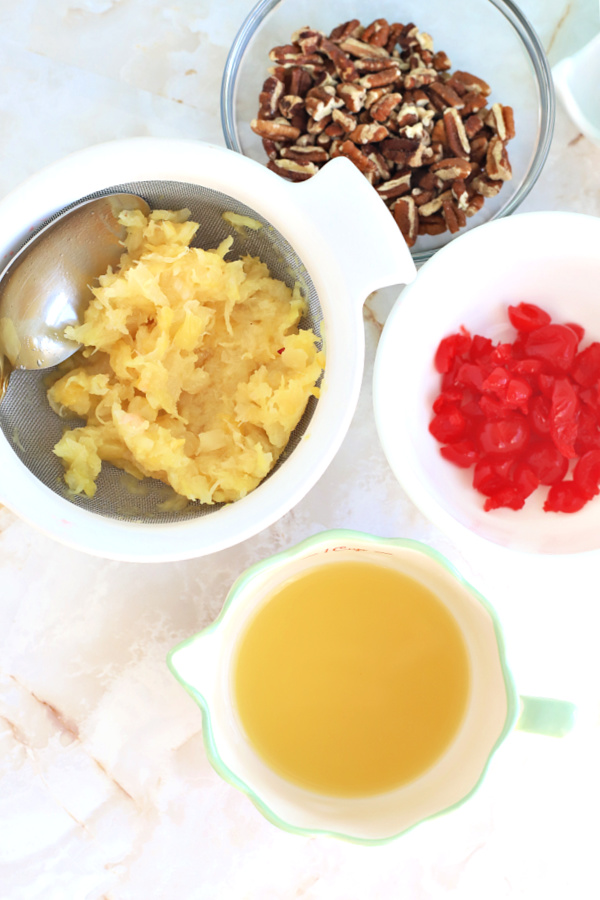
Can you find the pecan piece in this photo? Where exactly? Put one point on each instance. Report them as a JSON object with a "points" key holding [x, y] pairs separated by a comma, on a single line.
{"points": [[380, 163], [497, 165], [441, 61], [366, 134], [473, 126], [485, 186], [435, 205], [276, 129], [460, 194], [472, 103], [292, 170], [342, 62], [501, 120], [361, 49], [433, 225], [353, 96], [309, 39], [479, 146], [290, 105], [456, 136], [380, 79], [305, 154], [454, 217], [269, 97], [475, 204], [362, 162], [377, 33], [406, 215], [472, 82], [346, 122], [451, 168], [448, 97], [383, 108], [419, 76], [346, 30], [395, 187], [321, 101]]}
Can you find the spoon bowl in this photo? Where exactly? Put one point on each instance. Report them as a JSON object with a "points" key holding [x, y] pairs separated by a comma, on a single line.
{"points": [[45, 287]]}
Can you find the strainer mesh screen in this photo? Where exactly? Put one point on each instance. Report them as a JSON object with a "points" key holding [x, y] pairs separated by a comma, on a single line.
{"points": [[31, 426]]}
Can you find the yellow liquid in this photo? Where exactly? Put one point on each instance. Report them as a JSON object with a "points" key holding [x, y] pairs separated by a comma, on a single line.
{"points": [[352, 679]]}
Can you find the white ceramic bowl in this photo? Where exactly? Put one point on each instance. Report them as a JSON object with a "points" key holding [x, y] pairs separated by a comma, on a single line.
{"points": [[346, 259], [577, 78], [548, 258]]}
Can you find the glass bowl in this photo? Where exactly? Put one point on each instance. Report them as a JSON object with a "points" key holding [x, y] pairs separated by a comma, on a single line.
{"points": [[491, 39]]}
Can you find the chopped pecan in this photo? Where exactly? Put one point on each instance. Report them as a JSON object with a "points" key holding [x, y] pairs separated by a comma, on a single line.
{"points": [[501, 120], [360, 160], [346, 30], [473, 126], [460, 193], [342, 62], [383, 108], [376, 94], [434, 206], [473, 102], [292, 170], [456, 136], [454, 217], [381, 165], [379, 79], [396, 29], [316, 126], [433, 225], [353, 96], [451, 168], [376, 64], [395, 187], [321, 101], [445, 94], [419, 76], [472, 82], [299, 81], [345, 121], [479, 146], [305, 154], [293, 56], [441, 61], [475, 204], [497, 165], [366, 134], [485, 186], [276, 129], [377, 33], [361, 49], [290, 105], [308, 39], [269, 97], [406, 215]]}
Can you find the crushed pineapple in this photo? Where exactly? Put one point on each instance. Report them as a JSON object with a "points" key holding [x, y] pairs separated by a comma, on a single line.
{"points": [[193, 369]]}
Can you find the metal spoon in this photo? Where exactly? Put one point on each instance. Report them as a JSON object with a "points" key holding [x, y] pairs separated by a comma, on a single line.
{"points": [[45, 287]]}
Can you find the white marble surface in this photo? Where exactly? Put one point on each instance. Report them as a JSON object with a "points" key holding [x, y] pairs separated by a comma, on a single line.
{"points": [[105, 789]]}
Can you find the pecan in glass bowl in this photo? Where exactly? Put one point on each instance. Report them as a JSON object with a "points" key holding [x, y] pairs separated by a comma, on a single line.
{"points": [[423, 99]]}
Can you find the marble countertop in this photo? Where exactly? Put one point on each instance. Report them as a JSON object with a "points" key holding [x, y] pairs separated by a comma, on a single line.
{"points": [[105, 789]]}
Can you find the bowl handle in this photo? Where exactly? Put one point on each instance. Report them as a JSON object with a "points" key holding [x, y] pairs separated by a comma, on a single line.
{"points": [[543, 715], [356, 226]]}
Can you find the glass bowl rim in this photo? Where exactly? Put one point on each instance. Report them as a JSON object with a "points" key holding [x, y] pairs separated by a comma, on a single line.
{"points": [[511, 12]]}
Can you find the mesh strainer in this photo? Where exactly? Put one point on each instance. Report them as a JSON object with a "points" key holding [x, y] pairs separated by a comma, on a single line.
{"points": [[332, 234]]}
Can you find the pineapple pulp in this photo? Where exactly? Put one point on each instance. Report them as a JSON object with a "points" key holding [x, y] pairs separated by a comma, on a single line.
{"points": [[193, 369]]}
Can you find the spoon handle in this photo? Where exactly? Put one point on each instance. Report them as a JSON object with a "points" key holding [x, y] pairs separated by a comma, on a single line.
{"points": [[5, 370]]}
